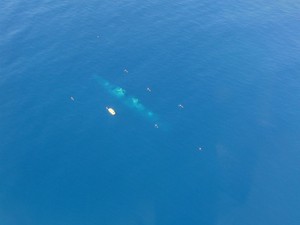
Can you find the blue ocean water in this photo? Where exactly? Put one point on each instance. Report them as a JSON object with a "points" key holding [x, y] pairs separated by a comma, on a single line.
{"points": [[233, 65]]}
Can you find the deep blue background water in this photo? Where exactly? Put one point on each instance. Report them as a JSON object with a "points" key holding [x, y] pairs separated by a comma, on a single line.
{"points": [[234, 65]]}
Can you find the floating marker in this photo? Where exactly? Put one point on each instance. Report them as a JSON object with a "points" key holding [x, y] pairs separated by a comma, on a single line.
{"points": [[72, 98]]}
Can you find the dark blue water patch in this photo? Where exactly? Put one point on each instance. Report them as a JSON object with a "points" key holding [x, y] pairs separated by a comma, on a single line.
{"points": [[232, 65]]}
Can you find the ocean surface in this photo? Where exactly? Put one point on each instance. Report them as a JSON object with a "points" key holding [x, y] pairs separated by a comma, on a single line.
{"points": [[207, 101]]}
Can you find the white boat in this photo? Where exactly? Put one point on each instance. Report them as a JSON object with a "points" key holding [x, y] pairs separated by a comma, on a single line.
{"points": [[111, 111]]}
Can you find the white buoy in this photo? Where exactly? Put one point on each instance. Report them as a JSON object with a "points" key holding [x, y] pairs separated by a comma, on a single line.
{"points": [[148, 89], [156, 125], [111, 111], [180, 106], [72, 98]]}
